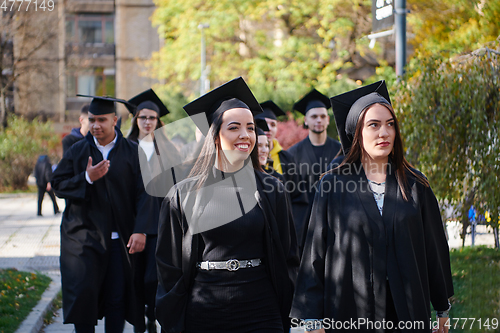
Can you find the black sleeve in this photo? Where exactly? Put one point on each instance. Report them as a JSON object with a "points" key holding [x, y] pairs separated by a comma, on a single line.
{"points": [[437, 252], [171, 296], [68, 183], [144, 206], [309, 291], [287, 232], [66, 143]]}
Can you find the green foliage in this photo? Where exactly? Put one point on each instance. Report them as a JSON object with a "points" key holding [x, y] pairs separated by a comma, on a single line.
{"points": [[282, 48], [452, 26], [19, 293], [20, 145], [476, 277], [450, 115]]}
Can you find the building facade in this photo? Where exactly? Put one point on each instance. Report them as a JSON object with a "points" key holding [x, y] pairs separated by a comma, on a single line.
{"points": [[98, 47]]}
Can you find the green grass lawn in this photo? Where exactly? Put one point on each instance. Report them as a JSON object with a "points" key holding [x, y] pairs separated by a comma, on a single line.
{"points": [[19, 293], [476, 279]]}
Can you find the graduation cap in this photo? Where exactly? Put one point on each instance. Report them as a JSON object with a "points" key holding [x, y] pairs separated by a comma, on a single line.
{"points": [[103, 104], [271, 110], [147, 100], [314, 99], [347, 108], [261, 125], [230, 95]]}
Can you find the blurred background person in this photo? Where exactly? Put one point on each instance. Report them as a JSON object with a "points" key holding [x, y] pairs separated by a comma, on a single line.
{"points": [[77, 133], [43, 174]]}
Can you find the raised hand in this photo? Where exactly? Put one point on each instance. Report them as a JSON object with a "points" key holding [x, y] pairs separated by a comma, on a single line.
{"points": [[97, 171]]}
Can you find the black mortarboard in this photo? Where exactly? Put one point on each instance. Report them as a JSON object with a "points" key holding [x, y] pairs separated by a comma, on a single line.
{"points": [[348, 106], [230, 95], [271, 110], [261, 124], [314, 99], [103, 104], [147, 100]]}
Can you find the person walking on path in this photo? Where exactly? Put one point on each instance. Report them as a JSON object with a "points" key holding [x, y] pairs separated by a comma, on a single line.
{"points": [[375, 254], [103, 225], [227, 253], [154, 150], [43, 174]]}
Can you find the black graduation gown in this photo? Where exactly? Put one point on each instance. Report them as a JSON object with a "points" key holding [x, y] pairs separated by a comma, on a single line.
{"points": [[178, 250], [158, 178], [308, 174], [299, 198], [70, 140], [116, 202], [351, 252], [275, 174]]}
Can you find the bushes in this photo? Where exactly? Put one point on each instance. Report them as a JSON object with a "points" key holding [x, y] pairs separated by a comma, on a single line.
{"points": [[449, 111], [20, 145]]}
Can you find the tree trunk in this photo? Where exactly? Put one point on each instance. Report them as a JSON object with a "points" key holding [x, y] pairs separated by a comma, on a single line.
{"points": [[3, 111], [495, 234], [467, 203]]}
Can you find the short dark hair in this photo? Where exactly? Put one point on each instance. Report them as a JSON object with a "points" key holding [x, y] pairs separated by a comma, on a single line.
{"points": [[85, 109]]}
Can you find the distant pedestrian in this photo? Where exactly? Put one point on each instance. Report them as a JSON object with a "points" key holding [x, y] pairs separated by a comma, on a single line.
{"points": [[43, 174]]}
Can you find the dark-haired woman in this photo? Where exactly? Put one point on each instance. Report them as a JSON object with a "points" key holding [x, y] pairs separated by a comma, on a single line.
{"points": [[152, 149], [227, 251], [376, 255]]}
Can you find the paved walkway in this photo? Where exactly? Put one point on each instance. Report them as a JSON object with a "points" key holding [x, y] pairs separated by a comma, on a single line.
{"points": [[31, 243]]}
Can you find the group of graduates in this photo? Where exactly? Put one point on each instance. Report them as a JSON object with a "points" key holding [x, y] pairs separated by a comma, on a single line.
{"points": [[235, 234]]}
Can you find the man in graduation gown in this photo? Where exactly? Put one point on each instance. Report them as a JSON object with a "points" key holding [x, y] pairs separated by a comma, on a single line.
{"points": [[77, 133], [103, 224], [283, 162], [314, 153]]}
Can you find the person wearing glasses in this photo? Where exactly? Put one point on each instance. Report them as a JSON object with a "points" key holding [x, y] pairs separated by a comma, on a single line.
{"points": [[154, 148]]}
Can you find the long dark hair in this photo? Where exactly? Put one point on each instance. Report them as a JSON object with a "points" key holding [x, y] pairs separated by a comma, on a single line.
{"points": [[206, 159], [133, 134], [396, 156]]}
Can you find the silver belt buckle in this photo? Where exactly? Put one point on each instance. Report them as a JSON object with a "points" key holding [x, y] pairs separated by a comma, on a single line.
{"points": [[232, 265]]}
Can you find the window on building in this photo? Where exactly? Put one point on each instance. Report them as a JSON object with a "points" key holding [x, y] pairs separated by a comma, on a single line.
{"points": [[90, 29], [96, 82]]}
